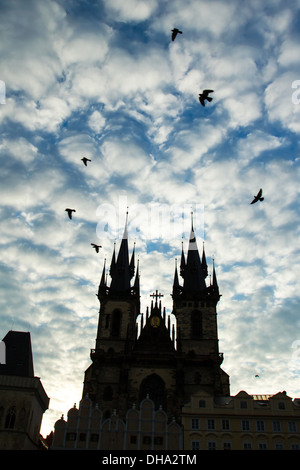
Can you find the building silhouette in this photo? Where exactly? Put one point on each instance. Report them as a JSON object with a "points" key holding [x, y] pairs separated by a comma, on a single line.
{"points": [[160, 387], [23, 399]]}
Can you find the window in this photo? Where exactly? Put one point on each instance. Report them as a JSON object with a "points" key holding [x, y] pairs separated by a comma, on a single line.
{"points": [[196, 324], [276, 426], [197, 378], [94, 437], [243, 405], [211, 424], [147, 440], [211, 445], [281, 405], [292, 426], [195, 423], [202, 403], [225, 424], [116, 323], [108, 393], [247, 445], [82, 436], [227, 446], [133, 439], [245, 425], [262, 446], [154, 386], [10, 418], [158, 440], [195, 445], [260, 425], [295, 447], [279, 446], [71, 436]]}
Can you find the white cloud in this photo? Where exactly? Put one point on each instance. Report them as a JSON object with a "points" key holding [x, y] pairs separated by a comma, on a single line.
{"points": [[97, 122], [20, 149], [124, 157], [279, 104], [132, 10]]}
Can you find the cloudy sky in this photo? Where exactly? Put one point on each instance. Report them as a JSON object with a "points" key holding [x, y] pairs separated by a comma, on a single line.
{"points": [[103, 79]]}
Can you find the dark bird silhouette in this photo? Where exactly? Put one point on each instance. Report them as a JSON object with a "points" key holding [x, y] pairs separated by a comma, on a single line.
{"points": [[96, 247], [85, 160], [69, 211], [258, 197], [257, 375], [175, 31], [204, 96]]}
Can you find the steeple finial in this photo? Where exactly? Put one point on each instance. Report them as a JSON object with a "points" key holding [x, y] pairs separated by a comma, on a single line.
{"points": [[194, 279], [121, 273], [125, 234]]}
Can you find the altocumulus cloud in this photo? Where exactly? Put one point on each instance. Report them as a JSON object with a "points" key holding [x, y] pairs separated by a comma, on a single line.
{"points": [[104, 80]]}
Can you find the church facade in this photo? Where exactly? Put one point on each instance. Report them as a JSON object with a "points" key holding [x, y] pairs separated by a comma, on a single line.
{"points": [[143, 387]]}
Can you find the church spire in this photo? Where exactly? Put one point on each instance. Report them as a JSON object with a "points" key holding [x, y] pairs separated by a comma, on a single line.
{"points": [[214, 279], [120, 269], [136, 285], [176, 285], [132, 263], [194, 279], [204, 263], [102, 285]]}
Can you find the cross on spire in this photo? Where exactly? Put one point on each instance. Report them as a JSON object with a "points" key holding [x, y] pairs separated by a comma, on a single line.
{"points": [[156, 295]]}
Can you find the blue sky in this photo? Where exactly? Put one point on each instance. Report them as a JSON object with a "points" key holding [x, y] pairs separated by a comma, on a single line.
{"points": [[103, 79]]}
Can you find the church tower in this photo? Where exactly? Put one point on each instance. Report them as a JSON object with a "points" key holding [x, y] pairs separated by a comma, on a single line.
{"points": [[167, 364], [106, 380], [194, 306]]}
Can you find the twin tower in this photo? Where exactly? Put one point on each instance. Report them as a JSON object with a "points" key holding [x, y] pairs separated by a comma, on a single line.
{"points": [[166, 364]]}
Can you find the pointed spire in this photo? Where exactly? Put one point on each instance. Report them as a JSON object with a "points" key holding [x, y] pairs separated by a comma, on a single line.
{"points": [[136, 285], [113, 262], [194, 280], [176, 286], [182, 261], [102, 285], [204, 263], [214, 279], [176, 280], [192, 241], [132, 262], [120, 273]]}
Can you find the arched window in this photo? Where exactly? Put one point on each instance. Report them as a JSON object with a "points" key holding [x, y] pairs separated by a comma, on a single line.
{"points": [[196, 324], [197, 378], [108, 393], [153, 386], [116, 323], [10, 418]]}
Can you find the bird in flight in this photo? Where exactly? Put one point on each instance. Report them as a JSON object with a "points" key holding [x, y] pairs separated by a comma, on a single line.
{"points": [[204, 96], [85, 160], [175, 31], [96, 247], [69, 211], [258, 197]]}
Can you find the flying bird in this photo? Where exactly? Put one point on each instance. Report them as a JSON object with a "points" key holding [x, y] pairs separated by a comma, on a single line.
{"points": [[204, 96], [69, 211], [258, 197], [96, 247], [257, 375], [85, 160], [175, 31]]}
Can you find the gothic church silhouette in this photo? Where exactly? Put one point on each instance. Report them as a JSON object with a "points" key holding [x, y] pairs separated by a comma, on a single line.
{"points": [[160, 367]]}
